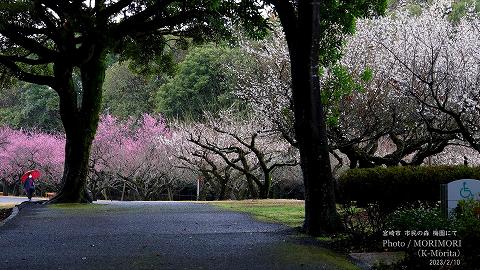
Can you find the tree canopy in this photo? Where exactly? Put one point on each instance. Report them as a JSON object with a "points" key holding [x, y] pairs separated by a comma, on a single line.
{"points": [[26, 105], [37, 33], [127, 94], [200, 85], [50, 42]]}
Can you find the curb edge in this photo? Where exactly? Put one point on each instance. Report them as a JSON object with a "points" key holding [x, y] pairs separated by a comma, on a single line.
{"points": [[12, 215], [360, 264]]}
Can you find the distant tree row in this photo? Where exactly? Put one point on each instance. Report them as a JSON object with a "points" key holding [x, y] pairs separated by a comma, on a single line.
{"points": [[146, 159]]}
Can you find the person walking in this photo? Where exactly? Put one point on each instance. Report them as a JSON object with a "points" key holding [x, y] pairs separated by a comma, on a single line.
{"points": [[29, 186]]}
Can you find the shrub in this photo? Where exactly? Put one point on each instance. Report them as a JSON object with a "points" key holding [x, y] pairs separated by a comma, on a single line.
{"points": [[464, 222], [362, 226], [467, 224], [395, 186], [419, 218]]}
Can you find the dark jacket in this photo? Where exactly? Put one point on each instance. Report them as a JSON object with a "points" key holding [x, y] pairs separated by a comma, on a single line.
{"points": [[29, 184]]}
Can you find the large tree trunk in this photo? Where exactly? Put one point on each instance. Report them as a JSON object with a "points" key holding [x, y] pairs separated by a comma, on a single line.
{"points": [[310, 127], [80, 122], [302, 31], [77, 152]]}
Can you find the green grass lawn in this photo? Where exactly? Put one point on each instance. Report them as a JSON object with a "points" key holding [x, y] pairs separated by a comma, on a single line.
{"points": [[288, 212], [291, 213]]}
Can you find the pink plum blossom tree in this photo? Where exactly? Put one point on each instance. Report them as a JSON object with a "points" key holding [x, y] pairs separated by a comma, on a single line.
{"points": [[136, 157], [25, 150]]}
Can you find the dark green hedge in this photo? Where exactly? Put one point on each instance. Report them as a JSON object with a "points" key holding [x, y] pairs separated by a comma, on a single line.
{"points": [[396, 185]]}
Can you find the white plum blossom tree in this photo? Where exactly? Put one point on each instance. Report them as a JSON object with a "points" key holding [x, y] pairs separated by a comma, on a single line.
{"points": [[228, 144], [360, 107], [427, 60]]}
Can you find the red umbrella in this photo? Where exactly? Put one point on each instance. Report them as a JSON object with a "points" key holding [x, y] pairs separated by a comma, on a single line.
{"points": [[35, 174]]}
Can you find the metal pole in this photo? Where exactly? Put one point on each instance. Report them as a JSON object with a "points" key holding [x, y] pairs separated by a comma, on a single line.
{"points": [[444, 200], [123, 191], [198, 188]]}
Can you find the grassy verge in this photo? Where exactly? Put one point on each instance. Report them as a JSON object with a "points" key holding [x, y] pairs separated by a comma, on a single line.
{"points": [[288, 212], [79, 208]]}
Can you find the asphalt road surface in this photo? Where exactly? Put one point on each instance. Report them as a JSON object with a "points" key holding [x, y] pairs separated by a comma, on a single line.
{"points": [[156, 235]]}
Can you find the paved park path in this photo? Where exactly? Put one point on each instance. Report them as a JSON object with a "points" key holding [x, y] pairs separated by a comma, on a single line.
{"points": [[152, 235], [16, 200]]}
